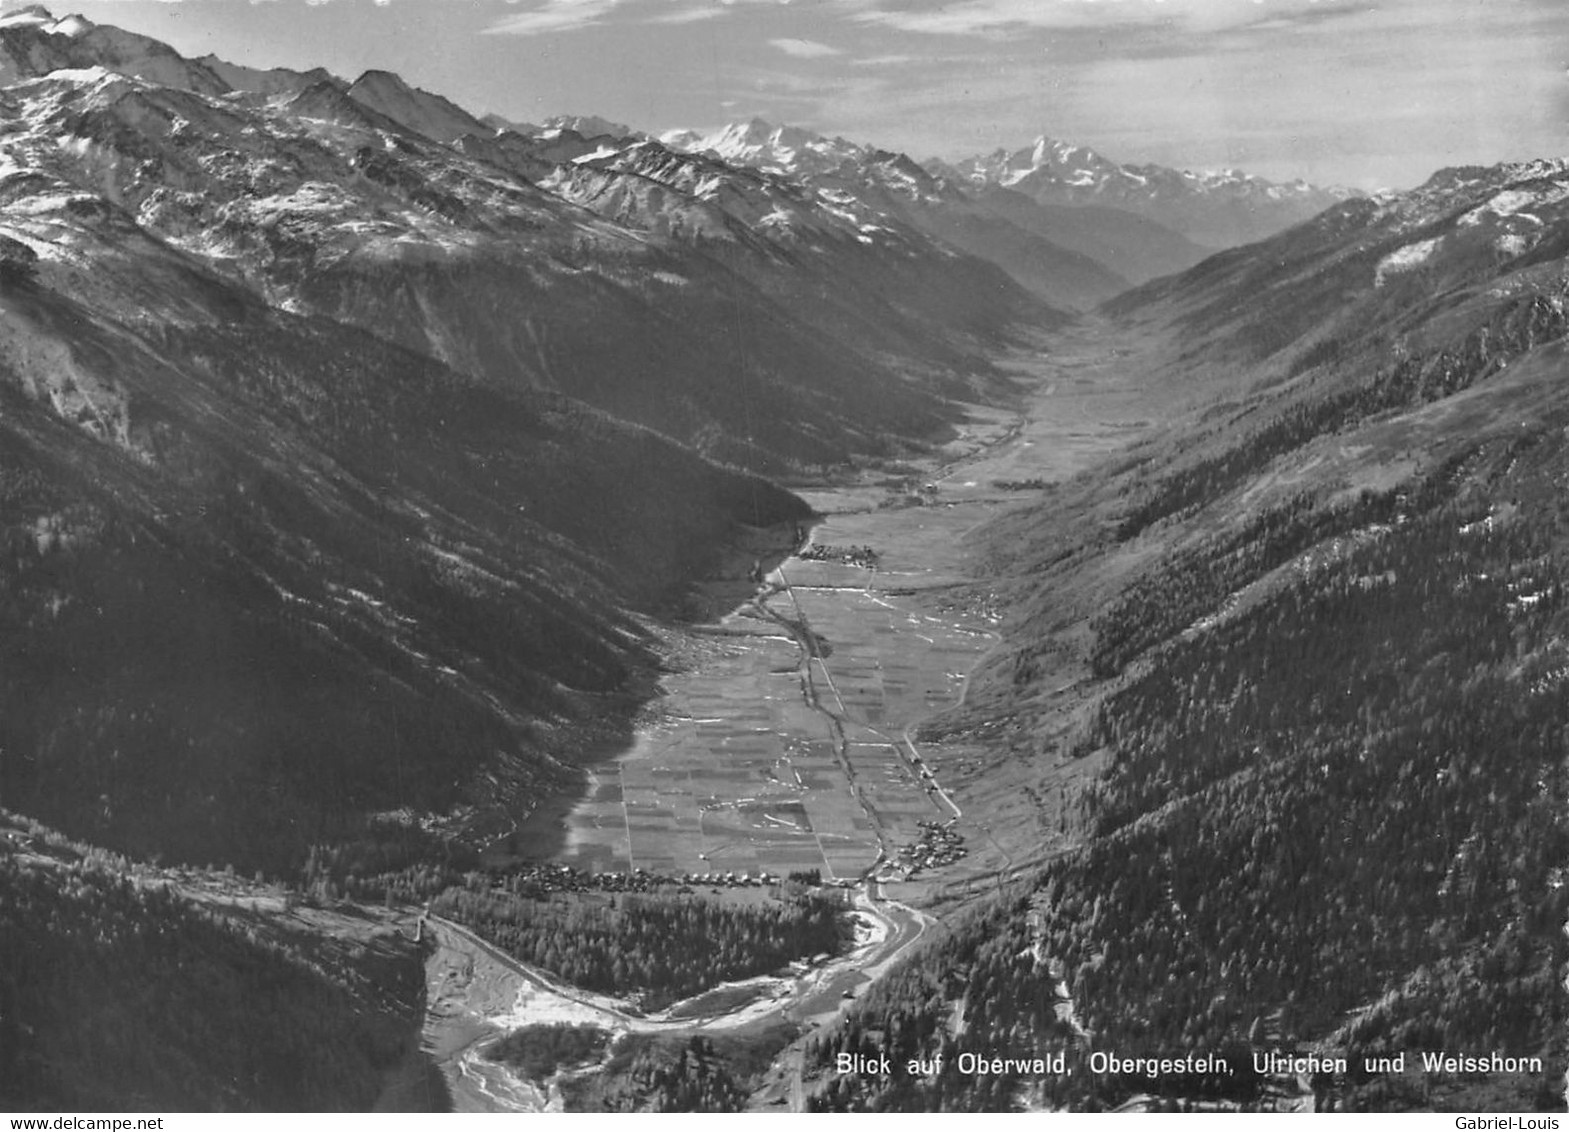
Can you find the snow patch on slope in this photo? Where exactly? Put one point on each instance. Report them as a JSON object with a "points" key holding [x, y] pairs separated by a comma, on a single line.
{"points": [[46, 371], [1516, 202], [1408, 258]]}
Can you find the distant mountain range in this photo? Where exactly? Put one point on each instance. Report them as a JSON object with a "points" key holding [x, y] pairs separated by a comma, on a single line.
{"points": [[1177, 216], [1215, 209]]}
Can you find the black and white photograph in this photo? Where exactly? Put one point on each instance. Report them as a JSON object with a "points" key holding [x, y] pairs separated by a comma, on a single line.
{"points": [[783, 556]]}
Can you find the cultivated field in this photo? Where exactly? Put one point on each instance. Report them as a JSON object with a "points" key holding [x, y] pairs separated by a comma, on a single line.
{"points": [[789, 746], [769, 760]]}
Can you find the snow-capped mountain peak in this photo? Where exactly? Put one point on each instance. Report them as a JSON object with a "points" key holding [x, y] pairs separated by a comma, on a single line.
{"points": [[590, 126], [35, 15], [1217, 208], [789, 150], [33, 44]]}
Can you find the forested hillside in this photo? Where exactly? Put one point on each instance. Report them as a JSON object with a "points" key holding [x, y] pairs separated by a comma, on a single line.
{"points": [[121, 991], [1341, 810], [663, 948], [252, 555], [1313, 638]]}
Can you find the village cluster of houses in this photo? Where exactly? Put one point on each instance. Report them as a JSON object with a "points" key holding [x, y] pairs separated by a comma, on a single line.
{"points": [[863, 556], [565, 878], [939, 844]]}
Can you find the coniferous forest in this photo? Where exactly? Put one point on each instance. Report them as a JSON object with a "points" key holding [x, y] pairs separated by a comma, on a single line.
{"points": [[664, 947], [1352, 783], [120, 991]]}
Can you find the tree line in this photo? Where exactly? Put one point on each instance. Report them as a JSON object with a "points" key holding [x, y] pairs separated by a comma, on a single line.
{"points": [[662, 947]]}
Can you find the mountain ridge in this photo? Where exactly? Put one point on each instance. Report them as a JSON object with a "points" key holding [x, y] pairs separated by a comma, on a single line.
{"points": [[312, 193], [1217, 209], [1067, 263]]}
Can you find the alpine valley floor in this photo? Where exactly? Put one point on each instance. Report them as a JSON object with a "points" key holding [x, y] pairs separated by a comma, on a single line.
{"points": [[791, 741], [903, 709]]}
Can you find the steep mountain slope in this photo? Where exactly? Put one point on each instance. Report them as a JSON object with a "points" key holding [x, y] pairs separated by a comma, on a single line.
{"points": [[1384, 277], [1027, 247], [805, 247], [424, 113], [1136, 248], [273, 81], [345, 201], [1305, 650], [1212, 209], [132, 988], [263, 555]]}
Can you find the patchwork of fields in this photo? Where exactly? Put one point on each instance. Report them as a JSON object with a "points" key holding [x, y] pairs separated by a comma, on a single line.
{"points": [[777, 756], [769, 760], [788, 748]]}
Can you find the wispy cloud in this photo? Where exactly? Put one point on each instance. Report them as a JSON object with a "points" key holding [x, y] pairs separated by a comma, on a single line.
{"points": [[805, 48], [996, 17], [689, 15], [545, 16], [555, 16], [983, 18]]}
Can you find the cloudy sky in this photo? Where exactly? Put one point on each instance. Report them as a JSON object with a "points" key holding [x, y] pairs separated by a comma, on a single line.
{"points": [[1355, 92]]}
